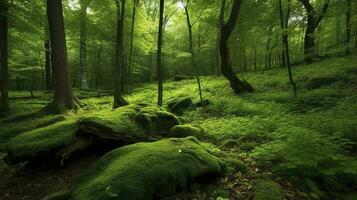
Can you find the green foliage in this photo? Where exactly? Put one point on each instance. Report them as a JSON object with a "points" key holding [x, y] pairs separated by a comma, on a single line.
{"points": [[147, 170]]}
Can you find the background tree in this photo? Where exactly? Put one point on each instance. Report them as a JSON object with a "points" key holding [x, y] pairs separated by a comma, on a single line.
{"points": [[159, 52], [63, 97], [83, 43], [237, 85], [4, 84]]}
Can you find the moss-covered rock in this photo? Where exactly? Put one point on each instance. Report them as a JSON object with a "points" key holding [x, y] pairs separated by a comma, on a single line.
{"points": [[42, 140], [268, 190], [147, 170], [125, 125], [181, 131], [179, 104], [316, 83]]}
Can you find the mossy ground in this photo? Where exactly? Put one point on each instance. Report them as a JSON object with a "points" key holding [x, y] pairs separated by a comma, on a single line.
{"points": [[290, 138]]}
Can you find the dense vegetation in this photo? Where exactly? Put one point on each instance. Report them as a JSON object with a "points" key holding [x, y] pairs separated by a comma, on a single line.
{"points": [[178, 99]]}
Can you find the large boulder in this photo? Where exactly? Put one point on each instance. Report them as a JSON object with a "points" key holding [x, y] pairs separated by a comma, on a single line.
{"points": [[179, 104], [147, 170], [125, 125]]}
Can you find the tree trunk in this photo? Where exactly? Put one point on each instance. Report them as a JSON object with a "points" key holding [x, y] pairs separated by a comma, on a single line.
{"points": [[63, 98], [83, 44], [219, 26], [159, 52], [313, 20], [136, 2], [47, 46], [119, 58], [193, 58], [348, 26], [98, 76], [4, 85], [237, 85], [284, 23]]}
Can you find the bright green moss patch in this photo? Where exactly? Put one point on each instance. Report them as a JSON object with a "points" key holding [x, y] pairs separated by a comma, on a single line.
{"points": [[181, 131], [268, 190], [29, 144], [147, 170]]}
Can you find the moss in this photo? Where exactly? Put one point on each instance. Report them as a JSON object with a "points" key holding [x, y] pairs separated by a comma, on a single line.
{"points": [[236, 165], [62, 195], [179, 104], [181, 131], [318, 82], [352, 196], [30, 144], [146, 170], [268, 190]]}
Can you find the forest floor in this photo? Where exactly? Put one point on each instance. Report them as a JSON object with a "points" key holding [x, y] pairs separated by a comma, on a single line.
{"points": [[306, 144]]}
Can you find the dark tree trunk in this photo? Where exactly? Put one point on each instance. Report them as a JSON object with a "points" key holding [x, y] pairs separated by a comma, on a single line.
{"points": [[136, 3], [159, 52], [219, 26], [348, 26], [63, 98], [4, 84], [313, 20], [83, 44], [193, 58], [48, 68], [98, 76], [237, 85], [119, 58], [284, 23]]}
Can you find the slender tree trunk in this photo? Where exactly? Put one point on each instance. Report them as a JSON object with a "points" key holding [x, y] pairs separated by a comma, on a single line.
{"points": [[219, 26], [99, 62], [284, 22], [83, 44], [47, 46], [63, 98], [159, 52], [193, 58], [136, 2], [119, 58], [237, 85], [4, 84], [348, 26]]}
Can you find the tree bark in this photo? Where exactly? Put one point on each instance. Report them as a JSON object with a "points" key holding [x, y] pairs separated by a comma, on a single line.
{"points": [[4, 84], [133, 18], [348, 26], [193, 58], [313, 20], [237, 85], [47, 46], [219, 26], [63, 98], [159, 52], [83, 44], [119, 58], [284, 23]]}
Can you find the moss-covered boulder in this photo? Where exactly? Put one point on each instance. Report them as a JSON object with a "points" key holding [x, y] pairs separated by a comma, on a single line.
{"points": [[181, 131], [315, 83], [180, 104], [147, 170], [41, 141], [268, 190], [125, 125]]}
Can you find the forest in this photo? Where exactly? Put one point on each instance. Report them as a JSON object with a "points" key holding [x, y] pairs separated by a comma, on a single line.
{"points": [[178, 99]]}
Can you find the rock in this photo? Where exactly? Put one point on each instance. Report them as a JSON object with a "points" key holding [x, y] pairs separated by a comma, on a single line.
{"points": [[319, 82], [268, 190], [205, 102], [179, 104], [181, 131], [147, 170], [125, 125]]}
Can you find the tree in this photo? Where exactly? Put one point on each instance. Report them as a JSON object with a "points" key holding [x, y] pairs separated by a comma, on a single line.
{"points": [[314, 18], [237, 85], [63, 97], [4, 84], [348, 26], [83, 43], [133, 17], [159, 52], [219, 26], [284, 24], [119, 57], [190, 42]]}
